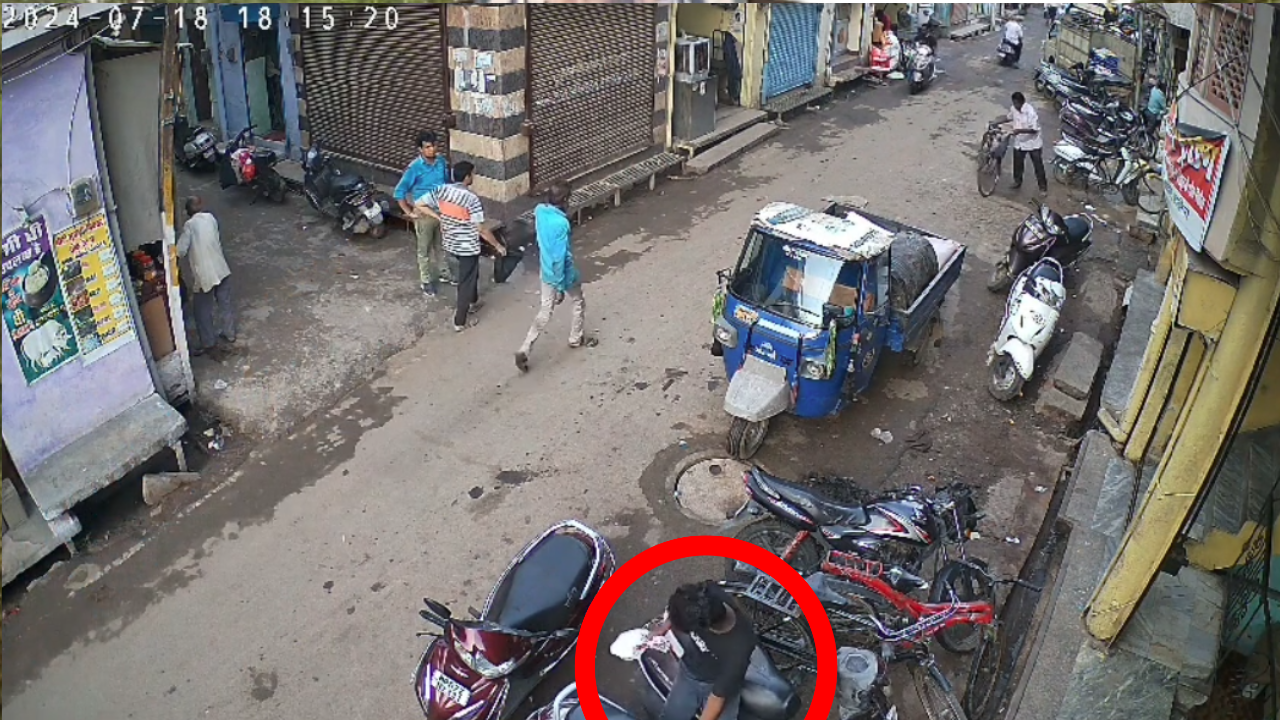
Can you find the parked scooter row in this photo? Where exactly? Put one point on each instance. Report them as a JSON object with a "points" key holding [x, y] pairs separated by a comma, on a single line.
{"points": [[350, 199]]}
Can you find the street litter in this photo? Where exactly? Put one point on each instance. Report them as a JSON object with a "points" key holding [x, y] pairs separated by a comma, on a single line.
{"points": [[1041, 489], [884, 436], [220, 385], [1013, 541]]}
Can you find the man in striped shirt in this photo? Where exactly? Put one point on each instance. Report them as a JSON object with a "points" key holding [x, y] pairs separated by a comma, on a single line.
{"points": [[461, 215]]}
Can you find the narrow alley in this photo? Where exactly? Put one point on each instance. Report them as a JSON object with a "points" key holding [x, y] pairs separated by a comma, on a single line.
{"points": [[289, 588]]}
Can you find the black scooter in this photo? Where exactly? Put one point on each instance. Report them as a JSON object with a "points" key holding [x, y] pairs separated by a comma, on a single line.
{"points": [[242, 163], [350, 199], [194, 147]]}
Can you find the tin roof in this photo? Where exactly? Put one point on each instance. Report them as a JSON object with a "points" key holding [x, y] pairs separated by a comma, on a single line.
{"points": [[852, 237], [50, 18]]}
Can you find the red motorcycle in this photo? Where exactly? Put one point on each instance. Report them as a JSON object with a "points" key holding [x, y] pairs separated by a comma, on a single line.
{"points": [[478, 669]]}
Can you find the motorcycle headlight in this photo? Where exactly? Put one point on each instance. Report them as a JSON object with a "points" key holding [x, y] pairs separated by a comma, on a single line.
{"points": [[726, 334], [481, 664], [813, 370]]}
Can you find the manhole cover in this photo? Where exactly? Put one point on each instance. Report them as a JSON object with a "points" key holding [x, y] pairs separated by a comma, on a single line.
{"points": [[712, 490]]}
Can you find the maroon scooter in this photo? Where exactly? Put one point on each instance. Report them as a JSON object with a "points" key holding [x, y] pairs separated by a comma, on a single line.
{"points": [[480, 669]]}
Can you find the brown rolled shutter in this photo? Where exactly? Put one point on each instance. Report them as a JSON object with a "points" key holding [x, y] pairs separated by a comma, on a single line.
{"points": [[591, 75], [371, 90]]}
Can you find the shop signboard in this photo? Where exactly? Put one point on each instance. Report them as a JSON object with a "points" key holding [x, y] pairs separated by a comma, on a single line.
{"points": [[35, 312], [94, 287], [1193, 162]]}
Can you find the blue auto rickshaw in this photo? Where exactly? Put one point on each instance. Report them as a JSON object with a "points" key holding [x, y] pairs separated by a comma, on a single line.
{"points": [[815, 299]]}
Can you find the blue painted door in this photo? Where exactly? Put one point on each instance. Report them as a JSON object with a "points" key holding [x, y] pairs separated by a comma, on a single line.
{"points": [[793, 47]]}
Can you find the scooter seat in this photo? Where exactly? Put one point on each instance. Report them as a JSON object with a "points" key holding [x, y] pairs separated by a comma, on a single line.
{"points": [[343, 183], [1078, 228], [264, 157], [823, 510], [766, 694], [541, 593]]}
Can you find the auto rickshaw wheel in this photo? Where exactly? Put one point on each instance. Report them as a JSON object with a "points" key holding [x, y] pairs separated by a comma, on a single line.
{"points": [[745, 438]]}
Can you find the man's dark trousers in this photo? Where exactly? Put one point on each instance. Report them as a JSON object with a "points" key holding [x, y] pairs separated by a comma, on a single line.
{"points": [[468, 286], [1037, 162]]}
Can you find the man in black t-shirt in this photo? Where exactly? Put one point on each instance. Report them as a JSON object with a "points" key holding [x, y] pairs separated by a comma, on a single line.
{"points": [[715, 644]]}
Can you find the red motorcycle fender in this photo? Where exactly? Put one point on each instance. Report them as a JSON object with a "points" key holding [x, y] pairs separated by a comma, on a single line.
{"points": [[484, 698]]}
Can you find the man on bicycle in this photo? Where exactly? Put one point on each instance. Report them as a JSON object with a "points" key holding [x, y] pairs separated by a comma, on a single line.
{"points": [[715, 642]]}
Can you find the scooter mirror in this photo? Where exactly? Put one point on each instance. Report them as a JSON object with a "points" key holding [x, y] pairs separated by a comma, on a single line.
{"points": [[437, 608]]}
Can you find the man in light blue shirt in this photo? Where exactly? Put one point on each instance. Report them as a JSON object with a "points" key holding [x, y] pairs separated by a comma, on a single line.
{"points": [[559, 276], [427, 172], [1156, 106]]}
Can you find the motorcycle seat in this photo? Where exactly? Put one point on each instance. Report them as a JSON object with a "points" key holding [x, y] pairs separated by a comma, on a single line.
{"points": [[1078, 228], [540, 594], [823, 510], [262, 156]]}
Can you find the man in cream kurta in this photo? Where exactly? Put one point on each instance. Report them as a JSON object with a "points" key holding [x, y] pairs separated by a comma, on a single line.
{"points": [[208, 276]]}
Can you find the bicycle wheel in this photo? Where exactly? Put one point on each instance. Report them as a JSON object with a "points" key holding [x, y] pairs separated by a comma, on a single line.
{"points": [[1150, 193], [984, 674], [969, 586], [787, 640], [939, 702], [988, 177]]}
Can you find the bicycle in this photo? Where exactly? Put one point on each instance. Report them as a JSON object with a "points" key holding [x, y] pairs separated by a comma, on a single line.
{"points": [[995, 144], [865, 608]]}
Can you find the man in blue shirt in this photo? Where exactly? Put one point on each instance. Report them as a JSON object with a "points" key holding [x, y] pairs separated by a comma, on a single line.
{"points": [[426, 173], [559, 276]]}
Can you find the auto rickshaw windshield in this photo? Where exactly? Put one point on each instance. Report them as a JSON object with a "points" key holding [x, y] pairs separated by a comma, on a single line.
{"points": [[791, 281]]}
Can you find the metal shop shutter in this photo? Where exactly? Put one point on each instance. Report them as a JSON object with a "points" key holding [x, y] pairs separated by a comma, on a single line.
{"points": [[369, 91], [793, 47], [591, 84]]}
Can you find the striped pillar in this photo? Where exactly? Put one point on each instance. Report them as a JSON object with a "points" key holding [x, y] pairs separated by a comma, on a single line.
{"points": [[487, 85], [663, 30]]}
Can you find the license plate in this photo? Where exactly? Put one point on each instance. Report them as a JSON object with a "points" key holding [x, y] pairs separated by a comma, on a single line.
{"points": [[450, 688], [372, 212]]}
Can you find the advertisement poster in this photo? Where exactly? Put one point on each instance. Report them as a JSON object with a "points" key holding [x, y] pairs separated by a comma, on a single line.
{"points": [[1193, 162], [34, 309], [93, 286]]}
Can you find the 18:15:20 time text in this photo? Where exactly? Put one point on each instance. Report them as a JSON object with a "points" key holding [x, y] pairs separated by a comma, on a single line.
{"points": [[325, 17]]}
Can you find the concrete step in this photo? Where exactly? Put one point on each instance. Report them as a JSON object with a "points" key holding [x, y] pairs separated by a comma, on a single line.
{"points": [[1121, 385], [1117, 686], [794, 99], [972, 29], [728, 123], [731, 148]]}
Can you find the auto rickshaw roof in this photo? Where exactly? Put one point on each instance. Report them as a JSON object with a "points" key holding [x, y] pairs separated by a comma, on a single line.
{"points": [[852, 238]]}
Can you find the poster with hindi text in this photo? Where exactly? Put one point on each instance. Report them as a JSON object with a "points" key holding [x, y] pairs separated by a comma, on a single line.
{"points": [[35, 312], [1194, 159], [94, 286]]}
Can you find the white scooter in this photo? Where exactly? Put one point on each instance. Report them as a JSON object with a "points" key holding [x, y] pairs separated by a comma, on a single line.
{"points": [[1030, 320]]}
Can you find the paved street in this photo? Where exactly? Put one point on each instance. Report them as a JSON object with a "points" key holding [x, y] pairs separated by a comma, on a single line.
{"points": [[290, 588]]}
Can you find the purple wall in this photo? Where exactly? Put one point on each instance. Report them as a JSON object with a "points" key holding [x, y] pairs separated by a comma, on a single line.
{"points": [[46, 126]]}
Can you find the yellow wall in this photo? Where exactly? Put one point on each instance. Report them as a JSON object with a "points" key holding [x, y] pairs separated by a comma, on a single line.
{"points": [[1221, 550], [702, 20], [1265, 410]]}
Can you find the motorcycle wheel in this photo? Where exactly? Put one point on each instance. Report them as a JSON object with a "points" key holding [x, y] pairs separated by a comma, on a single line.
{"points": [[775, 536], [1041, 86], [1004, 382], [745, 438], [378, 231], [1061, 174], [277, 191], [914, 88]]}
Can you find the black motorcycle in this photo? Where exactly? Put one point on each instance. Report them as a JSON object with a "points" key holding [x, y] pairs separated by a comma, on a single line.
{"points": [[244, 164], [194, 147], [1044, 233], [900, 528], [350, 199]]}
